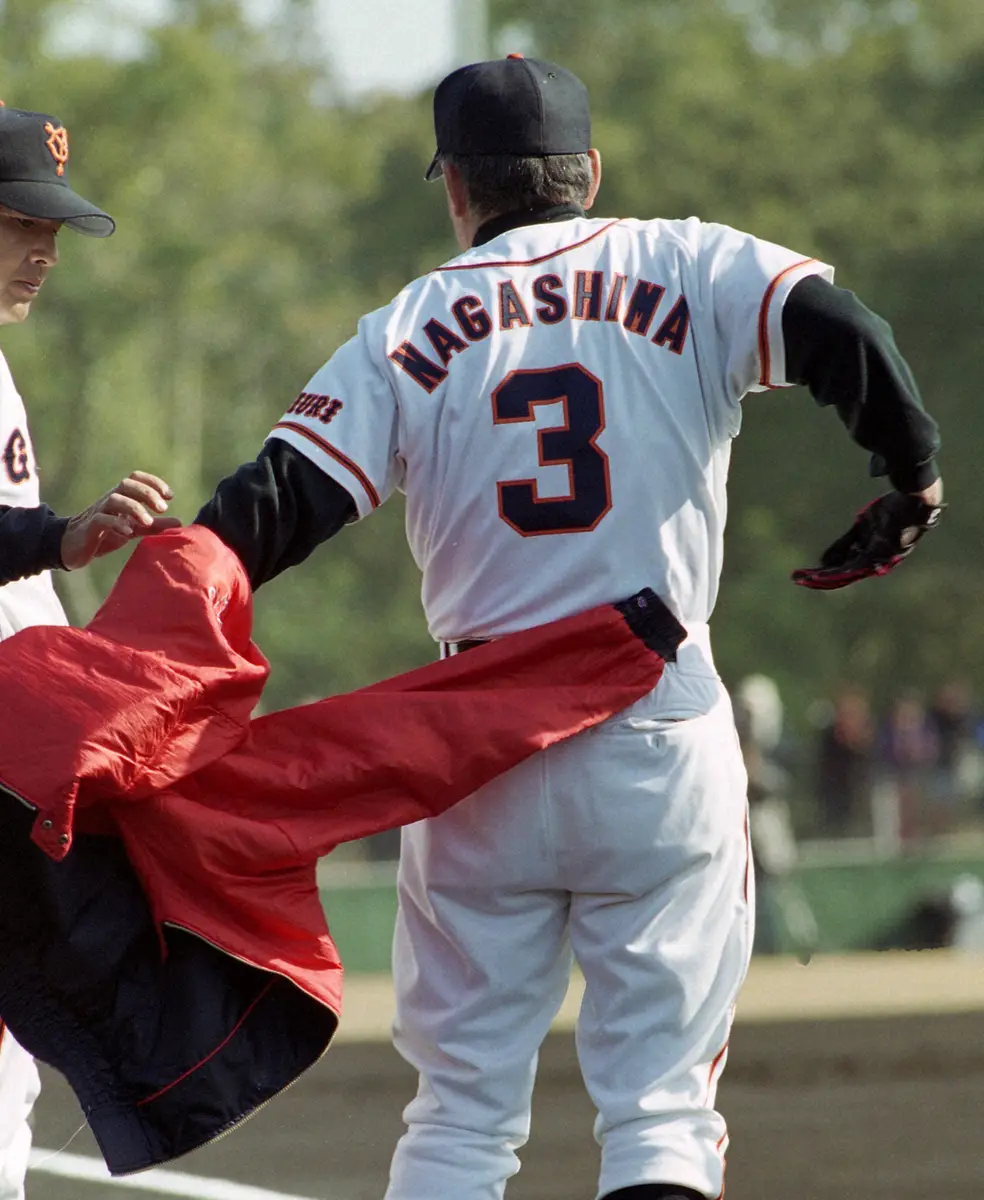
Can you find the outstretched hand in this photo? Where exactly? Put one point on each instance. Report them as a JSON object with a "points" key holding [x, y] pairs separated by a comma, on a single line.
{"points": [[883, 535], [132, 509]]}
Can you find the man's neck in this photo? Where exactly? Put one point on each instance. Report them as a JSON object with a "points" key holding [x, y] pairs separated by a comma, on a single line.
{"points": [[524, 216]]}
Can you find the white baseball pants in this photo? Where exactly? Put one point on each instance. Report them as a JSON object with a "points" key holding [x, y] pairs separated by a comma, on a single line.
{"points": [[19, 1088], [626, 849]]}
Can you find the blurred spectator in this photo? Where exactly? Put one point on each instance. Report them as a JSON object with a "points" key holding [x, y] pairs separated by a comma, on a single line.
{"points": [[949, 916], [845, 766], [958, 778], [967, 899], [907, 753], [759, 713], [928, 924], [784, 919]]}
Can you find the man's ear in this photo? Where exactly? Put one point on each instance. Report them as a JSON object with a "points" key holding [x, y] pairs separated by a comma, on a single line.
{"points": [[595, 158], [463, 220], [457, 193]]}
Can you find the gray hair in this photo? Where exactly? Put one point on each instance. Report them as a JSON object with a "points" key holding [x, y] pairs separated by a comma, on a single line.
{"points": [[502, 183]]}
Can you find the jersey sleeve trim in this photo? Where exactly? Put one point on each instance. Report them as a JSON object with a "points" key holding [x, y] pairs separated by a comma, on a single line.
{"points": [[770, 316], [528, 262], [326, 447]]}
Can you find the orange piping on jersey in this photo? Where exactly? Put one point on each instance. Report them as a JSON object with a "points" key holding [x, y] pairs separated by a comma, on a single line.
{"points": [[337, 455], [764, 356], [724, 1164], [529, 262], [724, 1136], [714, 1066]]}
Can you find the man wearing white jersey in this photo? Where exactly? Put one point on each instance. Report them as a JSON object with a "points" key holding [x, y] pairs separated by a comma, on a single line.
{"points": [[35, 201], [558, 404]]}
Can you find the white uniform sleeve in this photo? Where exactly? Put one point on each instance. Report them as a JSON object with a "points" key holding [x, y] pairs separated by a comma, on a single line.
{"points": [[744, 282], [346, 421]]}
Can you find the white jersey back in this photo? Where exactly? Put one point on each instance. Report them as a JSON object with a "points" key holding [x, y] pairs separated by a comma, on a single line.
{"points": [[29, 601], [558, 406]]}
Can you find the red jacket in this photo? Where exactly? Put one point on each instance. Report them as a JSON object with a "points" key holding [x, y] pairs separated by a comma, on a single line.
{"points": [[139, 726]]}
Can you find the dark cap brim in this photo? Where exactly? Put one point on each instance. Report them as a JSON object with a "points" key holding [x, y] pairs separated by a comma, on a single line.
{"points": [[436, 168], [55, 202]]}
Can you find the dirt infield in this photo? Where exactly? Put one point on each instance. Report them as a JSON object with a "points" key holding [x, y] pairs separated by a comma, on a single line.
{"points": [[830, 1106]]}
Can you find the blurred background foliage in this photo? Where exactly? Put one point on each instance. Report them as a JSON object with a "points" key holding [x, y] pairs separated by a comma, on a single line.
{"points": [[259, 216]]}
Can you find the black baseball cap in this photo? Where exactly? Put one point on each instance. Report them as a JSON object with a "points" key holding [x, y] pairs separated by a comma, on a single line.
{"points": [[34, 173], [512, 105]]}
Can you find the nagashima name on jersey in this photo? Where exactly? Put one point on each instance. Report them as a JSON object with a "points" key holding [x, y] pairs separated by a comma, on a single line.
{"points": [[595, 296]]}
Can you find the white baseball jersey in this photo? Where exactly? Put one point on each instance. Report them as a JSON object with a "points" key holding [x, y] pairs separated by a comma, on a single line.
{"points": [[30, 601], [24, 602], [19, 1088], [558, 406]]}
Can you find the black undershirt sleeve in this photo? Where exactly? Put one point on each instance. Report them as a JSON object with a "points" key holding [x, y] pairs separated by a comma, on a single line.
{"points": [[30, 541], [273, 512], [846, 355]]}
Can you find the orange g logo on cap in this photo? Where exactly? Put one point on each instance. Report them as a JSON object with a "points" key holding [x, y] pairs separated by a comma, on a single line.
{"points": [[34, 154], [57, 143]]}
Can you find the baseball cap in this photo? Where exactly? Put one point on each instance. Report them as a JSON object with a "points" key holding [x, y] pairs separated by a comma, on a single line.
{"points": [[513, 105], [34, 173]]}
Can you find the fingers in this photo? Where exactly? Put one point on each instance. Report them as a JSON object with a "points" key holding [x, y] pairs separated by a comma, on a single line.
{"points": [[123, 527], [828, 579], [132, 509], [825, 580], [159, 525], [126, 508], [137, 497], [115, 530], [932, 495], [90, 534], [151, 484]]}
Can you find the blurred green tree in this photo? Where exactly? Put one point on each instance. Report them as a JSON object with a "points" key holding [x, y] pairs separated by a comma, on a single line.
{"points": [[260, 216], [238, 266]]}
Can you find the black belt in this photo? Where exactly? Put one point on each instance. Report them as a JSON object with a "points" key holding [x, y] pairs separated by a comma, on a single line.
{"points": [[450, 649], [645, 614]]}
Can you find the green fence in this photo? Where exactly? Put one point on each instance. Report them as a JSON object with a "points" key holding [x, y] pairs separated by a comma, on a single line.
{"points": [[859, 900], [870, 902]]}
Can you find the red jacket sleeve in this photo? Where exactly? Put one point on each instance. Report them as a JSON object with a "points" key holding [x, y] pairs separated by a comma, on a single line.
{"points": [[162, 680]]}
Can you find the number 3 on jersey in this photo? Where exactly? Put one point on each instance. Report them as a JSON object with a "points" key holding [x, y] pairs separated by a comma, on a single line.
{"points": [[571, 445]]}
